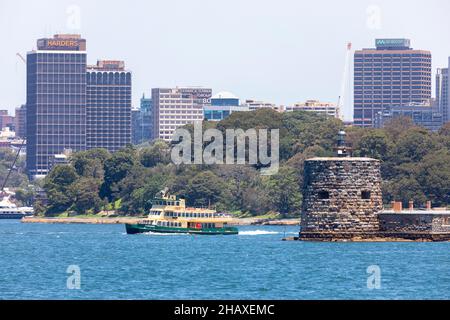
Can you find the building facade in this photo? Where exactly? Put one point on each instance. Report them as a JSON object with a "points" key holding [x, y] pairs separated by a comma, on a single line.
{"points": [[142, 122], [392, 73], [325, 108], [6, 121], [108, 108], [175, 107], [222, 105], [56, 100], [442, 89], [427, 116], [20, 121]]}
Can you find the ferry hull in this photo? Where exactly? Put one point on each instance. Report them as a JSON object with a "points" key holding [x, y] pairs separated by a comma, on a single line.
{"points": [[143, 228]]}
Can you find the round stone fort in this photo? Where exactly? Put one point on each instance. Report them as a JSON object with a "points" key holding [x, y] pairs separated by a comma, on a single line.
{"points": [[341, 198]]}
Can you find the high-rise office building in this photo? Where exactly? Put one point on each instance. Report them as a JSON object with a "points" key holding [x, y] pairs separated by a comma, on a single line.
{"points": [[392, 73], [20, 121], [175, 107], [442, 89], [108, 108], [56, 100]]}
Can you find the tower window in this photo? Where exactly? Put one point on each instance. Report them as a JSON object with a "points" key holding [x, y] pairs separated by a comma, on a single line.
{"points": [[365, 195], [324, 195]]}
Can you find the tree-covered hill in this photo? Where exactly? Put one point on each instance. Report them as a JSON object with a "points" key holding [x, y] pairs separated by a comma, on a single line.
{"points": [[415, 165]]}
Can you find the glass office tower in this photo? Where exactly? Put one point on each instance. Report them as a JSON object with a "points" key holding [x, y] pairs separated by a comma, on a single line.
{"points": [[56, 100]]}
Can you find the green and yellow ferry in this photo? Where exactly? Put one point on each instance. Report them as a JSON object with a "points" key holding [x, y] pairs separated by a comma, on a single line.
{"points": [[169, 214]]}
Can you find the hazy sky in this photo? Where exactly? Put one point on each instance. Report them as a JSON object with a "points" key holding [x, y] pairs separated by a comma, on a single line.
{"points": [[279, 51]]}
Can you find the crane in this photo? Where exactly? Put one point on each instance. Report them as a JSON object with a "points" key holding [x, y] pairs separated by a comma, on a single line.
{"points": [[341, 100], [21, 58]]}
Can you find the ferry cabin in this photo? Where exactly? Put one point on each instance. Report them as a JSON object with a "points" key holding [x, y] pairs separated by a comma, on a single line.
{"points": [[172, 212]]}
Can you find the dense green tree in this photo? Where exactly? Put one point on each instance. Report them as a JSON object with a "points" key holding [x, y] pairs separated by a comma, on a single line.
{"points": [[116, 168], [434, 176], [284, 191], [404, 190], [413, 145], [375, 144], [17, 177], [25, 196], [157, 153], [57, 187], [84, 193], [90, 163], [204, 189]]}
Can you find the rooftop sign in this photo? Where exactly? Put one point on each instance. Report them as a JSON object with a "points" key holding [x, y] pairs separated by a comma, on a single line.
{"points": [[61, 44], [392, 43]]}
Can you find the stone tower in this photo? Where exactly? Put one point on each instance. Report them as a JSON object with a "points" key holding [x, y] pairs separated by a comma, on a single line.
{"points": [[341, 198]]}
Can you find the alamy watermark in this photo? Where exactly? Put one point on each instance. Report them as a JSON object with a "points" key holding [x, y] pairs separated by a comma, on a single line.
{"points": [[374, 278], [237, 147], [373, 21], [74, 279]]}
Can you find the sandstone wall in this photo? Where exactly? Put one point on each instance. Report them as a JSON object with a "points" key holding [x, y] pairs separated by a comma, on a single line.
{"points": [[341, 195]]}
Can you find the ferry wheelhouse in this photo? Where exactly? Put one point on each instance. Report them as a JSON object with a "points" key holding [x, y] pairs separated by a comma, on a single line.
{"points": [[169, 214]]}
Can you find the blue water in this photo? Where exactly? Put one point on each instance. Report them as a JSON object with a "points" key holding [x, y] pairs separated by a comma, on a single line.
{"points": [[255, 264]]}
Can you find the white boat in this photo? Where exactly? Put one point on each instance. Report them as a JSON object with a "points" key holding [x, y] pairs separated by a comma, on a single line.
{"points": [[9, 210]]}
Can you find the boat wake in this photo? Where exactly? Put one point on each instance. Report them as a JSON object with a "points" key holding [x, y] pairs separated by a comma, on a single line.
{"points": [[165, 234], [257, 232]]}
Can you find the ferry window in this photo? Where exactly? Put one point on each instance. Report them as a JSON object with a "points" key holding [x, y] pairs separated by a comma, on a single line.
{"points": [[324, 195], [365, 195]]}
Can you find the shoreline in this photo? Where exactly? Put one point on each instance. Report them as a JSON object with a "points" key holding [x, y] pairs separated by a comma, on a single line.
{"points": [[133, 220]]}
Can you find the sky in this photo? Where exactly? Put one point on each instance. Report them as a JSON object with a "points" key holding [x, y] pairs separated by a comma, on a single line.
{"points": [[278, 51]]}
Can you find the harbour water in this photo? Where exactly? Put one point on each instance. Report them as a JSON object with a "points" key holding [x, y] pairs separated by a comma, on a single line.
{"points": [[256, 264]]}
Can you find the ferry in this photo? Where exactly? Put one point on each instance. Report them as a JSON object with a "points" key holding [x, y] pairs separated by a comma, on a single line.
{"points": [[9, 210], [169, 214]]}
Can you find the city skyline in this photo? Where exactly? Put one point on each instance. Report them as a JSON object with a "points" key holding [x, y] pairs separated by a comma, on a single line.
{"points": [[235, 48]]}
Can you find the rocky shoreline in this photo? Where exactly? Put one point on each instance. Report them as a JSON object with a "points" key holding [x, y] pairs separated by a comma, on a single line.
{"points": [[122, 220]]}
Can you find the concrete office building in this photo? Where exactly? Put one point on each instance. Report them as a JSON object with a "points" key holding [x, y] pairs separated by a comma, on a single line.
{"points": [[442, 89], [56, 100], [392, 73], [20, 121], [108, 108], [325, 108], [175, 107]]}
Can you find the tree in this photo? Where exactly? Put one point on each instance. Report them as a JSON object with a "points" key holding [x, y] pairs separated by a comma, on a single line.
{"points": [[157, 153], [374, 144], [90, 163], [85, 197], [395, 127], [57, 186], [116, 168], [284, 191], [25, 196], [413, 145], [434, 176], [204, 189], [404, 190]]}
